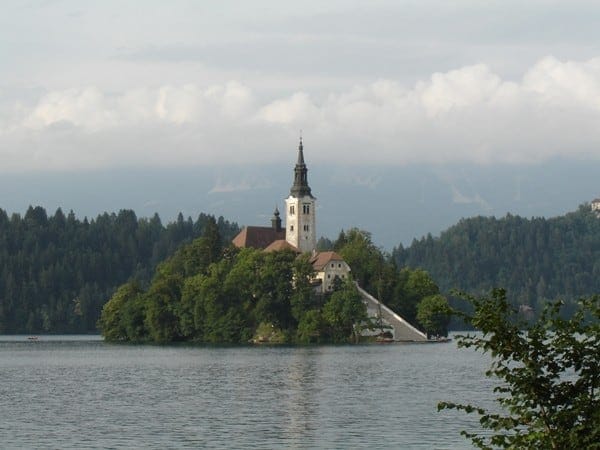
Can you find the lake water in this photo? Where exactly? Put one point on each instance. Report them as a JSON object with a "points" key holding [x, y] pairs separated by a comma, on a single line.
{"points": [[79, 392]]}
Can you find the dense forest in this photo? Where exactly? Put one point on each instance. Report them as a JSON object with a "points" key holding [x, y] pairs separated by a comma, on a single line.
{"points": [[534, 259], [215, 293], [56, 272]]}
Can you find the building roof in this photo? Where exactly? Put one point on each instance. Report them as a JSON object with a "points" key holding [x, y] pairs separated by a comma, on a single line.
{"points": [[257, 237], [300, 188], [596, 200], [281, 244], [320, 260]]}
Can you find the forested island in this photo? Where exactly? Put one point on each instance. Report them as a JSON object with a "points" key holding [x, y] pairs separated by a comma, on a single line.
{"points": [[214, 293]]}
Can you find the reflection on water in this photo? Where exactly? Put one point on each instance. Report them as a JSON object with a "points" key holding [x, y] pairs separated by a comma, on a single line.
{"points": [[83, 393]]}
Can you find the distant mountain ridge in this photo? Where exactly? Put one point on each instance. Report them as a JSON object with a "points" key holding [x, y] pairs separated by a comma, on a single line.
{"points": [[535, 259]]}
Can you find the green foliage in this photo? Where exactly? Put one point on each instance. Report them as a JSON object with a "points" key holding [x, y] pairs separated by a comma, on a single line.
{"points": [[365, 259], [311, 328], [207, 293], [412, 287], [433, 314], [57, 272], [303, 298], [378, 273], [244, 295], [535, 259], [161, 305], [549, 371], [344, 313], [268, 333], [227, 298], [115, 319]]}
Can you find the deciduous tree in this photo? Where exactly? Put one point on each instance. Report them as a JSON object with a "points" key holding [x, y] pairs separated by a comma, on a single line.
{"points": [[549, 375]]}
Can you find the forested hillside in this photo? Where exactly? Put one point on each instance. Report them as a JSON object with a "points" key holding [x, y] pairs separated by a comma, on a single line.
{"points": [[534, 259], [56, 272]]}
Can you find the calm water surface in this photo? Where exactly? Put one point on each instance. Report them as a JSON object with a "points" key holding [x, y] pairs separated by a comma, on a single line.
{"points": [[79, 392]]}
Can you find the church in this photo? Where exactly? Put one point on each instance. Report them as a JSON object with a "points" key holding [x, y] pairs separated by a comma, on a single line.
{"points": [[300, 236], [300, 231]]}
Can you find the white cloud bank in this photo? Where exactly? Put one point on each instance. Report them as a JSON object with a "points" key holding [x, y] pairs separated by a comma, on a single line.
{"points": [[466, 115]]}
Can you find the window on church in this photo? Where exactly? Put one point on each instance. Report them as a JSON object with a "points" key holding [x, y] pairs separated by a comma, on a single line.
{"points": [[292, 210], [306, 209], [291, 227]]}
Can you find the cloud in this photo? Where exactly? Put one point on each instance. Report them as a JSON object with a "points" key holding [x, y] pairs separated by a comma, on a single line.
{"points": [[222, 186], [460, 198], [470, 114]]}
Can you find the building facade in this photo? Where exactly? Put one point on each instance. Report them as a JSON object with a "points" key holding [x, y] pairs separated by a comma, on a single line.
{"points": [[330, 268]]}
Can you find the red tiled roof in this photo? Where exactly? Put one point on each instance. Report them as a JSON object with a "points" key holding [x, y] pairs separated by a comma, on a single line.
{"points": [[320, 260], [281, 244], [257, 237]]}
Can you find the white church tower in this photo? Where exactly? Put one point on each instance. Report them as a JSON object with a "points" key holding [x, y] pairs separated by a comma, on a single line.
{"points": [[301, 209]]}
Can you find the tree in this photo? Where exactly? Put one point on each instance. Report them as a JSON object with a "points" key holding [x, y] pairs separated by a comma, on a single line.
{"points": [[433, 313], [358, 250], [413, 286], [310, 327], [344, 313], [549, 371], [113, 322]]}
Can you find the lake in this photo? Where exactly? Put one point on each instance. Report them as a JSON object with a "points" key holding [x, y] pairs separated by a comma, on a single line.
{"points": [[80, 392]]}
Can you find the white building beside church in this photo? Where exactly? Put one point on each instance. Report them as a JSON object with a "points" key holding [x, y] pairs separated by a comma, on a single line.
{"points": [[329, 267]]}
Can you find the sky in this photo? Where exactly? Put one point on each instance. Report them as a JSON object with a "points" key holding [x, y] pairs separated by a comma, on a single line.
{"points": [[110, 91]]}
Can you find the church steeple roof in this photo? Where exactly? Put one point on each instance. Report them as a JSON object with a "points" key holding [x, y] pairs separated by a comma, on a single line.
{"points": [[300, 188], [276, 220], [300, 153]]}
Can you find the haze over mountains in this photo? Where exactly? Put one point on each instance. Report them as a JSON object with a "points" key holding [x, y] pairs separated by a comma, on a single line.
{"points": [[396, 204]]}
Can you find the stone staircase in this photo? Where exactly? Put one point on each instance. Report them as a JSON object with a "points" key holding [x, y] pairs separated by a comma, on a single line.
{"points": [[400, 328]]}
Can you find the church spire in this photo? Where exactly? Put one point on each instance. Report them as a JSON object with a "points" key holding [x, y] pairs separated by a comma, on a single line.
{"points": [[276, 220], [300, 153], [300, 187]]}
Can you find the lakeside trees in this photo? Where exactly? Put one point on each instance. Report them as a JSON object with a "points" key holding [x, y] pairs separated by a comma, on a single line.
{"points": [[403, 290], [212, 293], [56, 272], [206, 293], [550, 382]]}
